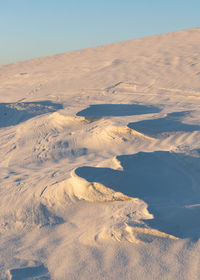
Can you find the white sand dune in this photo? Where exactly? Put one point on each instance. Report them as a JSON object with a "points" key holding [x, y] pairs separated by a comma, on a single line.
{"points": [[100, 162]]}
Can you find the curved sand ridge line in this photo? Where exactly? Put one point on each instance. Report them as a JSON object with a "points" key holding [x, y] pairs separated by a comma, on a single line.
{"points": [[55, 137], [139, 233], [116, 224], [77, 188], [60, 121], [55, 132], [165, 133], [59, 139]]}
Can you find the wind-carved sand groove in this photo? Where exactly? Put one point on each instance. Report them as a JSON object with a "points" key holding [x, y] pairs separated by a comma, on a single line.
{"points": [[139, 234], [129, 87], [141, 88]]}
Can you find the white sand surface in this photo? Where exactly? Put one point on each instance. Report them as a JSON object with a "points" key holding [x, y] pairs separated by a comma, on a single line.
{"points": [[100, 162]]}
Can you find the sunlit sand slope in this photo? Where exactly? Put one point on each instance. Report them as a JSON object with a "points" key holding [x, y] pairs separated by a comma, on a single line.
{"points": [[100, 162]]}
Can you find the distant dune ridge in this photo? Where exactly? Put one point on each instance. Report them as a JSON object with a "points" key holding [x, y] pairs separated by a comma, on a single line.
{"points": [[100, 162]]}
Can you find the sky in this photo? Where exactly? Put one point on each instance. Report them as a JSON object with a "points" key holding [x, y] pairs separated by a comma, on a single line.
{"points": [[37, 28]]}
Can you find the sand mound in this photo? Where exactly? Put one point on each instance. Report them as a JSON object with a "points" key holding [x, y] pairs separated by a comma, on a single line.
{"points": [[76, 188]]}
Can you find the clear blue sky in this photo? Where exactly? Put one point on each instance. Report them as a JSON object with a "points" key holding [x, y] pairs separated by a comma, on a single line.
{"points": [[35, 28]]}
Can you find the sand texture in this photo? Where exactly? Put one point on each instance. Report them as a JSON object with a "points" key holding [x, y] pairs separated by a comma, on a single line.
{"points": [[100, 162]]}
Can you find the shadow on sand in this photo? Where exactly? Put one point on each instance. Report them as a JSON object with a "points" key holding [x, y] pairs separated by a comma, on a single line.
{"points": [[171, 123], [34, 272], [116, 110], [168, 182], [15, 113]]}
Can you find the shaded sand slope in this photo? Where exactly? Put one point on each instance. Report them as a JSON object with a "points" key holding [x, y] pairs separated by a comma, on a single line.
{"points": [[14, 113], [171, 123], [116, 110], [168, 182], [100, 161]]}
